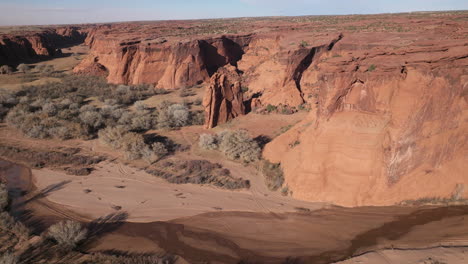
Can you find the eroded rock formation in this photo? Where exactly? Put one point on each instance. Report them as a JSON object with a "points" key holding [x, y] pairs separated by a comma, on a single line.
{"points": [[223, 99]]}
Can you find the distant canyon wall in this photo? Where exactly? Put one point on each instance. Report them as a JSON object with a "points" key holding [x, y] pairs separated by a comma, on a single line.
{"points": [[33, 46]]}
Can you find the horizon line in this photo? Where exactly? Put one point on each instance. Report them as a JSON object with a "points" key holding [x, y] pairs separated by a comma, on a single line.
{"points": [[240, 17]]}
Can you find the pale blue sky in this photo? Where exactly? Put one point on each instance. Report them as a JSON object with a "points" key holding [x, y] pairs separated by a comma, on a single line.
{"points": [[32, 12]]}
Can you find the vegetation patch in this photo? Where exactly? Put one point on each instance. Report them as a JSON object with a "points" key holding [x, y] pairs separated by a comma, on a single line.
{"points": [[273, 175], [197, 172], [235, 145], [42, 158]]}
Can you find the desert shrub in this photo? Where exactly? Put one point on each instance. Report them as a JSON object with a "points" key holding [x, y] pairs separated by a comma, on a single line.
{"points": [[112, 136], [8, 258], [3, 197], [238, 145], [371, 68], [50, 109], [91, 118], [133, 144], [140, 106], [143, 120], [180, 115], [23, 68], [173, 115], [68, 234], [235, 145], [7, 222], [159, 149], [197, 118], [5, 69], [208, 141], [8, 98], [7, 101], [270, 108], [273, 174]]}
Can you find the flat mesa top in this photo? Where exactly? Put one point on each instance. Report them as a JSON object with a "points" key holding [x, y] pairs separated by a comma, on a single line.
{"points": [[187, 29]]}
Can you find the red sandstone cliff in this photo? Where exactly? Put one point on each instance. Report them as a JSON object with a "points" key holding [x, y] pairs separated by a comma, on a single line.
{"points": [[390, 122], [389, 106], [32, 46]]}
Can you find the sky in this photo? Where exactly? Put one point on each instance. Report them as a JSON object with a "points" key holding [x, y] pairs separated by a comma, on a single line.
{"points": [[44, 12]]}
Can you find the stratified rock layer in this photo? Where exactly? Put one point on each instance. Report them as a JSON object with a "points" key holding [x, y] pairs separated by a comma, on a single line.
{"points": [[223, 99]]}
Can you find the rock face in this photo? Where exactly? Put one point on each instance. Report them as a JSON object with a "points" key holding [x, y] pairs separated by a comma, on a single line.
{"points": [[33, 46], [223, 99], [165, 64], [390, 122]]}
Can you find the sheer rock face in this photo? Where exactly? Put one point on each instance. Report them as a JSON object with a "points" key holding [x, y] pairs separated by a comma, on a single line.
{"points": [[223, 99]]}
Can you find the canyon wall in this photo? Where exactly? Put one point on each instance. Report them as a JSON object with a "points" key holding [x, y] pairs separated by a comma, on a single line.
{"points": [[390, 122], [34, 46], [388, 95]]}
